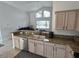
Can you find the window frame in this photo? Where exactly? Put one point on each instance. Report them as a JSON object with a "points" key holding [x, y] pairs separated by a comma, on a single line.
{"points": [[44, 18]]}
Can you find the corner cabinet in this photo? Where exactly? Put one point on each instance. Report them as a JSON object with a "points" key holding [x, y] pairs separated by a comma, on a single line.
{"points": [[66, 20]]}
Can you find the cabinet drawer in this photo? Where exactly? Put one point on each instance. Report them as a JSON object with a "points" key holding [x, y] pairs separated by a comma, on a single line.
{"points": [[60, 46], [16, 37], [31, 40], [46, 43]]}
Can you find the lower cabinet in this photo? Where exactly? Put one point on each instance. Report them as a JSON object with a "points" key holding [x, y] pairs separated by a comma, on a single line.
{"points": [[59, 51], [49, 50], [16, 42], [35, 46], [39, 47], [46, 49], [20, 43], [54, 50], [70, 52], [31, 46]]}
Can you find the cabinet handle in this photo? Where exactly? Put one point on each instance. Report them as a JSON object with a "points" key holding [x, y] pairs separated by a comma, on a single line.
{"points": [[66, 27], [34, 44], [63, 27]]}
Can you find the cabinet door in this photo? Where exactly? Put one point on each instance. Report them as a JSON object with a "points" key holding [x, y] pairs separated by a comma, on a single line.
{"points": [[60, 19], [59, 51], [21, 43], [69, 52], [71, 19], [17, 42], [39, 47], [13, 41], [49, 50], [77, 21], [31, 45]]}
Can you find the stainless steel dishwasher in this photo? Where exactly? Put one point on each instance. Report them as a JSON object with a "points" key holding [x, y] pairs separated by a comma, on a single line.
{"points": [[23, 44]]}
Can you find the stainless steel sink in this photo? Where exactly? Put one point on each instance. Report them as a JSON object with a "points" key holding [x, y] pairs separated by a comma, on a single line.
{"points": [[46, 40]]}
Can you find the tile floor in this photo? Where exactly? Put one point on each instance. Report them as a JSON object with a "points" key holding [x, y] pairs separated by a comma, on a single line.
{"points": [[7, 51], [26, 54]]}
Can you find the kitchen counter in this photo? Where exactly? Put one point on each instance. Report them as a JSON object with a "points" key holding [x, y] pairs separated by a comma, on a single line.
{"points": [[57, 40], [70, 43]]}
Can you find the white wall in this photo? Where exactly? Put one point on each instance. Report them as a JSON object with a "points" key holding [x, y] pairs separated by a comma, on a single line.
{"points": [[63, 5], [32, 18], [1, 38], [10, 19], [29, 5]]}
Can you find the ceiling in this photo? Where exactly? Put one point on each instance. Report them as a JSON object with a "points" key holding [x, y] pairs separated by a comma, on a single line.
{"points": [[29, 5]]}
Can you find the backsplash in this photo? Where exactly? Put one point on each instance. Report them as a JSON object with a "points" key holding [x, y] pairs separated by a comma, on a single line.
{"points": [[69, 33]]}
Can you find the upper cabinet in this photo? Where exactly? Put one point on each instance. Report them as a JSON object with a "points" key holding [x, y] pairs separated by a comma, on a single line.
{"points": [[77, 21], [60, 19], [66, 20], [71, 20]]}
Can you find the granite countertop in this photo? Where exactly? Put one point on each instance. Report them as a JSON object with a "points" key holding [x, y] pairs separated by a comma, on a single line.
{"points": [[22, 36], [59, 40], [70, 42]]}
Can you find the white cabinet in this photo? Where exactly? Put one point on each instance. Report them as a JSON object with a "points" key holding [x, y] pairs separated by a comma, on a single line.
{"points": [[31, 46], [39, 47], [60, 19], [54, 50], [46, 49], [19, 42], [49, 50], [66, 20], [59, 51], [16, 42], [71, 20], [35, 46], [69, 52]]}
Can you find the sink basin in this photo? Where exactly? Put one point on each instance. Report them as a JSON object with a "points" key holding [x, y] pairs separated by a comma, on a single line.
{"points": [[40, 37], [45, 40]]}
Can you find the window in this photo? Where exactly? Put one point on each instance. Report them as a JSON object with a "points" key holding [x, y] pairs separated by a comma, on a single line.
{"points": [[43, 18], [46, 14], [39, 14], [42, 24]]}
